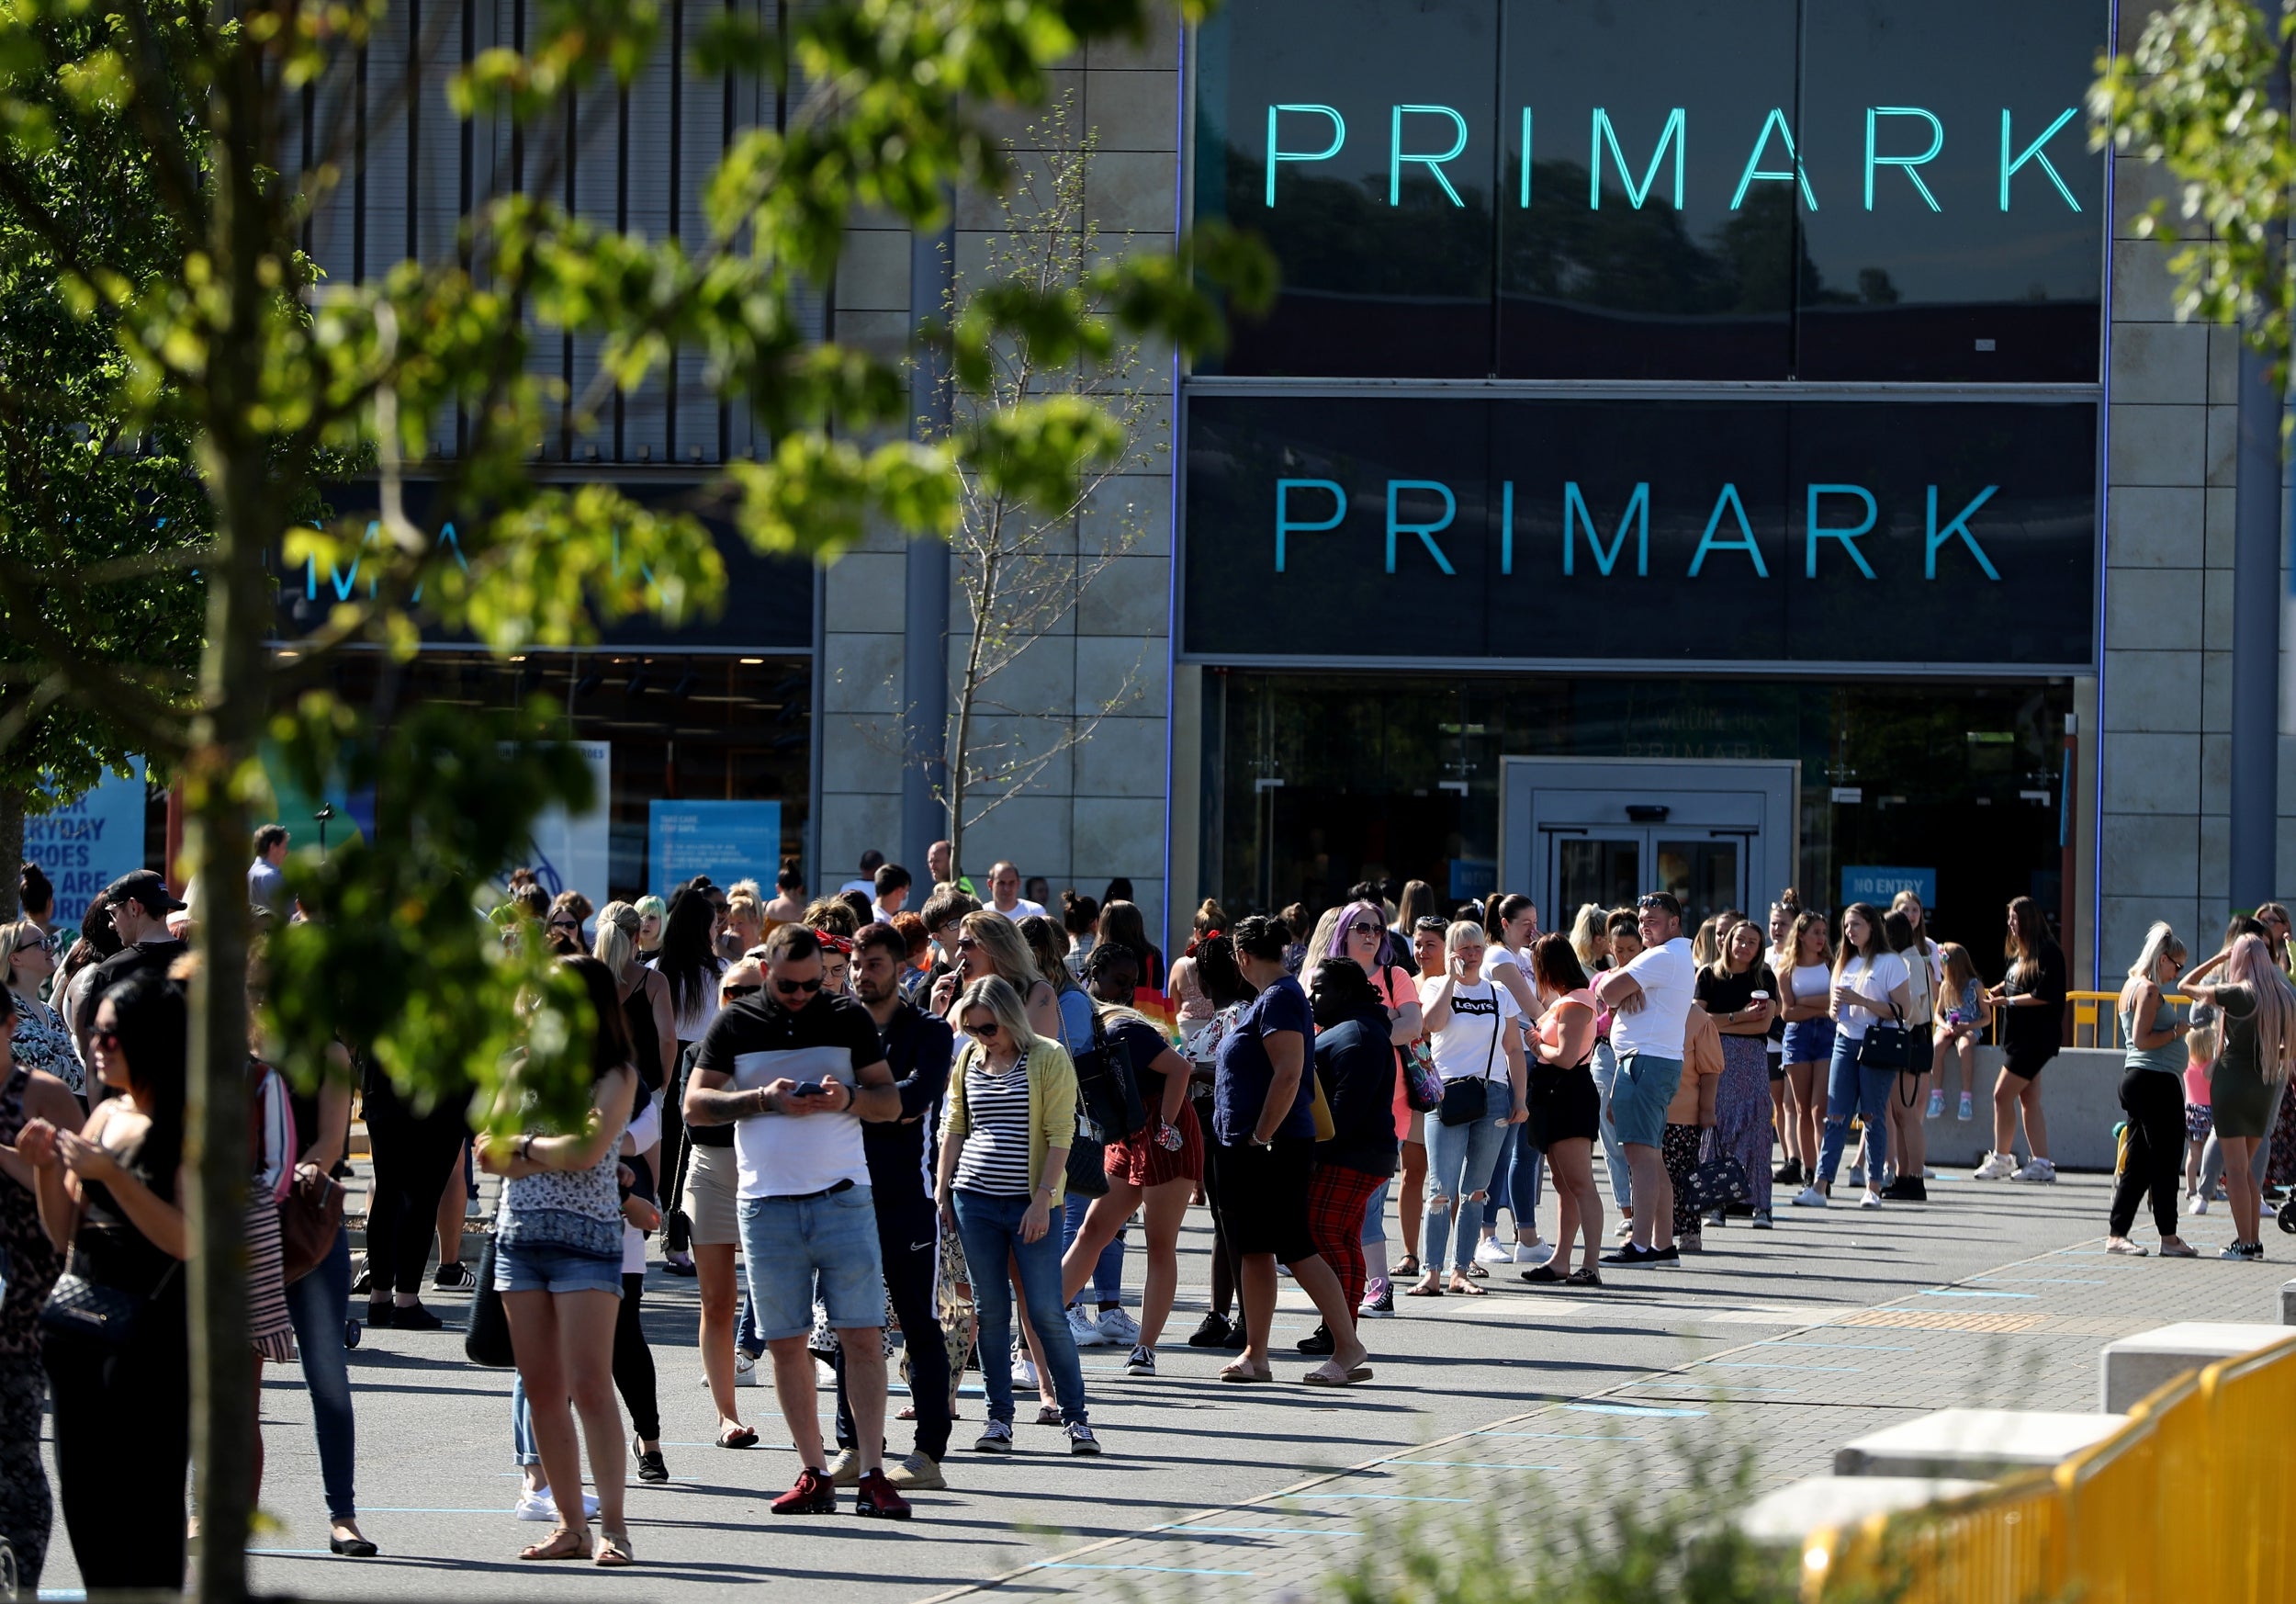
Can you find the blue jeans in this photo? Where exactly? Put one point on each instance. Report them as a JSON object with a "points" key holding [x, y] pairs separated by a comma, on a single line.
{"points": [[1622, 1191], [990, 1227], [1515, 1181], [1375, 1214], [1108, 1271], [1851, 1089], [316, 1305], [801, 1248], [1459, 1161], [523, 1440]]}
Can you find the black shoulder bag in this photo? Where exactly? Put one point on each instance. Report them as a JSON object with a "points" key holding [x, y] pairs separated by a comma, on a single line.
{"points": [[1107, 1091]]}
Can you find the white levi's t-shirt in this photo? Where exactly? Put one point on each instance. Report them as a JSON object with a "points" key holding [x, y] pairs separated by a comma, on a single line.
{"points": [[757, 1044], [1669, 978]]}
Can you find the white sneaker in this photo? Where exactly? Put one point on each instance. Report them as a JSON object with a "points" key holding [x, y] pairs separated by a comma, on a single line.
{"points": [[1929, 1172], [1856, 1176], [472, 1210], [1997, 1167], [1871, 1200], [1024, 1374], [1491, 1250], [1810, 1197], [2196, 1204], [745, 1371], [2038, 1169], [1533, 1252], [1119, 1329], [1624, 1231], [1081, 1328], [540, 1506]]}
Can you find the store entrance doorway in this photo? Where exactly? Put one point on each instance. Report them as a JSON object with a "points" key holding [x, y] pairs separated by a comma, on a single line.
{"points": [[1604, 831]]}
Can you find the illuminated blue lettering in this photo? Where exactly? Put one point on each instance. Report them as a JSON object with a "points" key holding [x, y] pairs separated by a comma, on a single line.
{"points": [[1936, 144], [1745, 541], [1575, 512], [342, 583], [1339, 138], [2033, 153], [1426, 532], [1526, 199], [1960, 526], [1754, 169], [1848, 538], [1286, 525], [1396, 156], [1673, 133]]}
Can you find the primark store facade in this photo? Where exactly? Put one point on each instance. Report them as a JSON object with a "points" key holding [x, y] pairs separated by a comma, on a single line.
{"points": [[1678, 456]]}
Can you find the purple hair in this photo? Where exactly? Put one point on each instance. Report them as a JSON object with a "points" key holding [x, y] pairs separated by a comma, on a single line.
{"points": [[1348, 918]]}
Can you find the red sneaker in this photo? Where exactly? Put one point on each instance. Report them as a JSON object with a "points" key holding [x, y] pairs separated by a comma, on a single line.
{"points": [[815, 1494], [878, 1499]]}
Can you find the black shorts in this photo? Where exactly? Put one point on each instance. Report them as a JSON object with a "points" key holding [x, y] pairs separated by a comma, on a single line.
{"points": [[1563, 1105], [1262, 1196], [2027, 1060]]}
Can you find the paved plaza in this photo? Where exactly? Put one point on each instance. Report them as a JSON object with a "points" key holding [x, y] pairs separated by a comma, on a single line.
{"points": [[1788, 1341]]}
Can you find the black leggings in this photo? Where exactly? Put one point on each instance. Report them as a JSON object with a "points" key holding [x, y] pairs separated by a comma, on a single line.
{"points": [[2155, 1103], [414, 1157], [908, 1238], [1227, 1267], [633, 1362], [122, 1422]]}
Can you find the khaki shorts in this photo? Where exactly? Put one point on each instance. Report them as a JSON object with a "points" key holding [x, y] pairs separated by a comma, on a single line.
{"points": [[712, 1177]]}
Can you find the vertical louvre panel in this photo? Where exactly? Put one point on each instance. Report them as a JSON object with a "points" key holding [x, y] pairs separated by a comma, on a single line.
{"points": [[593, 191], [702, 123], [388, 60], [330, 229], [647, 205]]}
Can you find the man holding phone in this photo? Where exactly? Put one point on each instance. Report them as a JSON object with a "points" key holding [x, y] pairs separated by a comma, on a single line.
{"points": [[795, 1073]]}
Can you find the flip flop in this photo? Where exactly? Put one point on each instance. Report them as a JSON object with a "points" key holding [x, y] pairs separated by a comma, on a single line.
{"points": [[738, 1436], [1242, 1376], [1422, 1292], [1470, 1290], [1408, 1268]]}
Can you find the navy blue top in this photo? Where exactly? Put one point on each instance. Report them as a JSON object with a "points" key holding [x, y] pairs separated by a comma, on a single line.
{"points": [[1241, 1081], [918, 1047]]}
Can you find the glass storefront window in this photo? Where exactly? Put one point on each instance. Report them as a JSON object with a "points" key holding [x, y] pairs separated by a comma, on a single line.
{"points": [[1317, 782], [682, 727]]}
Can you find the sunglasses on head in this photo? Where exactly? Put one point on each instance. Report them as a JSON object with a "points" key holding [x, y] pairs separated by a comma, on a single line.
{"points": [[739, 991], [797, 988], [1430, 924], [1660, 903]]}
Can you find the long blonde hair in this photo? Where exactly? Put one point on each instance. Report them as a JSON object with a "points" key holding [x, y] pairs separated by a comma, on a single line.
{"points": [[2251, 965], [2160, 942], [1589, 934], [998, 995], [1007, 948], [614, 945]]}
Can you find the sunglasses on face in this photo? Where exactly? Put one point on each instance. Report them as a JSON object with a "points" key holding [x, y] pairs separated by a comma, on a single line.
{"points": [[797, 988], [739, 991], [108, 1040], [1369, 929], [986, 1033], [566, 924], [967, 945]]}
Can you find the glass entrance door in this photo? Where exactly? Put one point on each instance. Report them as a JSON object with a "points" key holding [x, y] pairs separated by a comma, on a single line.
{"points": [[1705, 871], [1603, 869], [1705, 876]]}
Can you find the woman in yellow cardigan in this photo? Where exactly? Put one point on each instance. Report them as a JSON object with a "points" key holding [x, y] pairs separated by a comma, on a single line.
{"points": [[1004, 1161]]}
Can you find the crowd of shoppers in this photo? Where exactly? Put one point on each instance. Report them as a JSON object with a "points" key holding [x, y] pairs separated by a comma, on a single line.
{"points": [[846, 1118]]}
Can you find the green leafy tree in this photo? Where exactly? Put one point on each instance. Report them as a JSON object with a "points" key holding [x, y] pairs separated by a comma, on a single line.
{"points": [[2205, 95], [223, 352]]}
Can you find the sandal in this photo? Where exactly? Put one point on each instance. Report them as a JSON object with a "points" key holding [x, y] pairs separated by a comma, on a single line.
{"points": [[1409, 1266], [737, 1436], [1328, 1375], [1047, 1414], [615, 1550], [1468, 1289], [1242, 1372], [1477, 1271], [566, 1543], [1423, 1291]]}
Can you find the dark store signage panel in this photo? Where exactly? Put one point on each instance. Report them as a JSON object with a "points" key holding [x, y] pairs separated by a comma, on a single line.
{"points": [[1387, 528], [1891, 189], [768, 601]]}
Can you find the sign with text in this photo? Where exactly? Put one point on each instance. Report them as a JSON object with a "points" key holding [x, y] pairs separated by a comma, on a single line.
{"points": [[1879, 885], [84, 846], [1381, 528], [725, 841], [573, 852], [1677, 190]]}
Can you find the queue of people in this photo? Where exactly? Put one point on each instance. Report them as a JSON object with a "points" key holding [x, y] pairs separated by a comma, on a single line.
{"points": [[842, 1115]]}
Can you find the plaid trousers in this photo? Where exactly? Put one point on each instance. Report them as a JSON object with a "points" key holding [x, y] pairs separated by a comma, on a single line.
{"points": [[1336, 1198]]}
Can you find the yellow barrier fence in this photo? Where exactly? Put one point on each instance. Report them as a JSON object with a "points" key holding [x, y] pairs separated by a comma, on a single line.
{"points": [[2096, 1017], [2182, 1503]]}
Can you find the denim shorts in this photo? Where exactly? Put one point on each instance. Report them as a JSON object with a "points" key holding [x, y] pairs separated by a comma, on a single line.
{"points": [[1645, 1084], [786, 1243], [553, 1268]]}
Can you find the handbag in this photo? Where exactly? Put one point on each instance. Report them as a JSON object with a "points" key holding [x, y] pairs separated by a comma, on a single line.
{"points": [[107, 1316], [1887, 1046], [1088, 1164], [1422, 1088], [1718, 1183], [486, 1339], [1107, 1091], [311, 1217]]}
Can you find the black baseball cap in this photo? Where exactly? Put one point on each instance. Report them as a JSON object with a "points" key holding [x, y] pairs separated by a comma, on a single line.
{"points": [[143, 886]]}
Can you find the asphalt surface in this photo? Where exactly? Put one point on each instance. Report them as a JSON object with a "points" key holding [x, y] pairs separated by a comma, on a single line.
{"points": [[1991, 1293]]}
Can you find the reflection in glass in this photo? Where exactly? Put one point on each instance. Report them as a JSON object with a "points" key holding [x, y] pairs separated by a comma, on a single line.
{"points": [[1590, 869]]}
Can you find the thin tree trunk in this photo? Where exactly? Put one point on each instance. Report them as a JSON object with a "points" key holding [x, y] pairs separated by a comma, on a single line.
{"points": [[11, 853]]}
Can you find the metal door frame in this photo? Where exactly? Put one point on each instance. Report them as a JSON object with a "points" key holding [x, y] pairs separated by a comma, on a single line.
{"points": [[1773, 847]]}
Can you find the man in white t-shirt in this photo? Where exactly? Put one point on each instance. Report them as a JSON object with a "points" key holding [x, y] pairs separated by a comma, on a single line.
{"points": [[796, 1072], [1650, 1002], [1004, 892], [871, 861]]}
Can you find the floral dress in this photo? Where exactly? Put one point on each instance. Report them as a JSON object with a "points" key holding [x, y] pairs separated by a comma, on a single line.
{"points": [[43, 1043]]}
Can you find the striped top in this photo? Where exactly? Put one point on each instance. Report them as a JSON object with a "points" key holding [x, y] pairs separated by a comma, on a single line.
{"points": [[995, 1155]]}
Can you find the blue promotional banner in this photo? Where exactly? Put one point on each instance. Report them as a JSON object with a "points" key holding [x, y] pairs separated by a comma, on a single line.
{"points": [[87, 844], [1877, 884], [725, 841]]}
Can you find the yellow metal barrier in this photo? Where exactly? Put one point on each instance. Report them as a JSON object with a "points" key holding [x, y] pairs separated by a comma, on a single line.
{"points": [[2098, 1012], [2182, 1503]]}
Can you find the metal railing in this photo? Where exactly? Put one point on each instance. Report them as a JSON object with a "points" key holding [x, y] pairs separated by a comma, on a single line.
{"points": [[2182, 1503]]}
